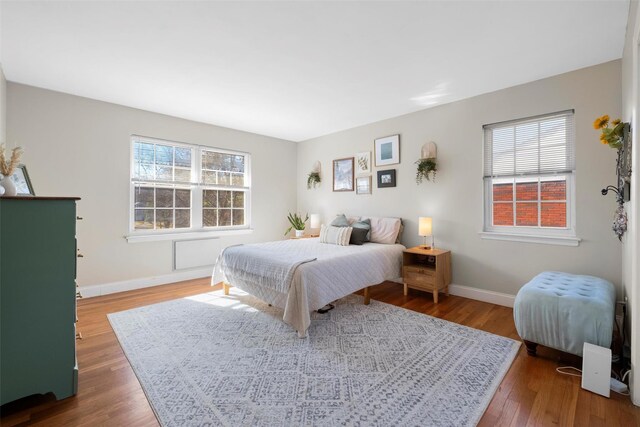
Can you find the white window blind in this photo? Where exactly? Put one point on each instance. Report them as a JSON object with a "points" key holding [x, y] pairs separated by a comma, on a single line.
{"points": [[538, 145]]}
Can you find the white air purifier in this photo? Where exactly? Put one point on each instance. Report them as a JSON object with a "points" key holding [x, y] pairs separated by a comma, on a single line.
{"points": [[596, 369]]}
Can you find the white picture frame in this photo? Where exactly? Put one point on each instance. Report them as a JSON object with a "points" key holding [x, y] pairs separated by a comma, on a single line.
{"points": [[363, 163], [387, 150], [363, 185]]}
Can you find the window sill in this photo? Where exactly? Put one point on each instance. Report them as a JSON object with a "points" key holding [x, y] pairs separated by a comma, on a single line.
{"points": [[185, 235], [528, 238]]}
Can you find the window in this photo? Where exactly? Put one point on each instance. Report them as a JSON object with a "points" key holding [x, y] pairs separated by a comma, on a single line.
{"points": [[184, 187], [529, 168]]}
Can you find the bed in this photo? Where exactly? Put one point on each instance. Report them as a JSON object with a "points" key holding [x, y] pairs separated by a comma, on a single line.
{"points": [[322, 273]]}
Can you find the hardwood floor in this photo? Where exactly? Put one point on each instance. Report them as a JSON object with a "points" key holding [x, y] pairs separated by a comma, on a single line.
{"points": [[532, 392]]}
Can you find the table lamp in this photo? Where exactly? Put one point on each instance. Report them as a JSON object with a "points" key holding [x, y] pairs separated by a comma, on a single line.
{"points": [[314, 223], [425, 230]]}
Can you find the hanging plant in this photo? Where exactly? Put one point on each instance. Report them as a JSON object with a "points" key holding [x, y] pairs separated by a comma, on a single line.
{"points": [[611, 136], [427, 169], [313, 179]]}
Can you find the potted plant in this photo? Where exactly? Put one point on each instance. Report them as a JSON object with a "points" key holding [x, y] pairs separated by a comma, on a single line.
{"points": [[7, 167], [297, 223], [427, 168], [313, 179]]}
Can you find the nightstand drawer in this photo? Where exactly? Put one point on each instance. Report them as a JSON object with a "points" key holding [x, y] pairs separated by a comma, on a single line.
{"points": [[419, 270], [419, 279]]}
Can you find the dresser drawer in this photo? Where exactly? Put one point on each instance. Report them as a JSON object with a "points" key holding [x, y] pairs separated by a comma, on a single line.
{"points": [[419, 279]]}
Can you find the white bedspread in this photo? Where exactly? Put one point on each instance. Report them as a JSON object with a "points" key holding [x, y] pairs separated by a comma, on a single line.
{"points": [[262, 266], [337, 272]]}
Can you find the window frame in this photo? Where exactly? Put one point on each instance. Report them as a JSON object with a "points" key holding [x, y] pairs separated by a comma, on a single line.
{"points": [[197, 187], [533, 234]]}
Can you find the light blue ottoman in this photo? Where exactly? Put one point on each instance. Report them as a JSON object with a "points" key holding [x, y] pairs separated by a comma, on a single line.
{"points": [[563, 311]]}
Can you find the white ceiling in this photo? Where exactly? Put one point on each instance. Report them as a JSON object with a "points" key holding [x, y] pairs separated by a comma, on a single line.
{"points": [[297, 70]]}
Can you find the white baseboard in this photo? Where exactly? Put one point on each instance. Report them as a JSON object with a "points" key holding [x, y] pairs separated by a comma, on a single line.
{"points": [[498, 298], [145, 282]]}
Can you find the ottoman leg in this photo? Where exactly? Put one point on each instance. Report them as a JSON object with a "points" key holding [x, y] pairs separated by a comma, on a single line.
{"points": [[531, 347]]}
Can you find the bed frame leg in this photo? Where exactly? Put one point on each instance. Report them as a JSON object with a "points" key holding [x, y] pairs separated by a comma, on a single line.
{"points": [[225, 288], [531, 347], [367, 296]]}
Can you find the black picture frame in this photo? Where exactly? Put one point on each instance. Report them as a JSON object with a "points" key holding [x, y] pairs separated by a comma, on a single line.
{"points": [[387, 178], [22, 181]]}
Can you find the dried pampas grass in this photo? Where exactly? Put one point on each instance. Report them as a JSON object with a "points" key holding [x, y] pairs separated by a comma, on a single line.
{"points": [[8, 166]]}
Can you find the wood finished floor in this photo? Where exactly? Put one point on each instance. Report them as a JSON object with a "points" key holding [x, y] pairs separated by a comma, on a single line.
{"points": [[531, 394]]}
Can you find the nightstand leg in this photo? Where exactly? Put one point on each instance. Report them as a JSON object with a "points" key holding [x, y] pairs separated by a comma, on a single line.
{"points": [[225, 288], [435, 296], [406, 289], [367, 296]]}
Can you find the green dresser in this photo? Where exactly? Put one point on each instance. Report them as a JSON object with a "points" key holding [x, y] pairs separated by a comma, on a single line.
{"points": [[37, 297]]}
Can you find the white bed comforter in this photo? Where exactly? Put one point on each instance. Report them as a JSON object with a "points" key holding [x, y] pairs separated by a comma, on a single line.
{"points": [[337, 271]]}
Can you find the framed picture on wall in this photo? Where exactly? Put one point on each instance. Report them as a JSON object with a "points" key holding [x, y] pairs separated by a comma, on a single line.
{"points": [[363, 163], [363, 185], [387, 150], [387, 178], [343, 174]]}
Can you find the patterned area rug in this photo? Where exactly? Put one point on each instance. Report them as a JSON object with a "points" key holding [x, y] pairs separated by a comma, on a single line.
{"points": [[213, 360]]}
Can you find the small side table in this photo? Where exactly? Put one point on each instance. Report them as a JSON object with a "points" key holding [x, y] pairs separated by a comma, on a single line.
{"points": [[426, 270], [306, 236]]}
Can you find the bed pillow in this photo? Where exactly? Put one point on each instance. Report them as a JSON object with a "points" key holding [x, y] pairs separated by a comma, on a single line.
{"points": [[364, 224], [335, 235], [358, 236], [385, 230], [400, 231], [342, 220]]}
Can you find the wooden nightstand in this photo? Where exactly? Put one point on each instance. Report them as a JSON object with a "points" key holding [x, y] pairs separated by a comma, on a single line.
{"points": [[306, 236], [426, 270]]}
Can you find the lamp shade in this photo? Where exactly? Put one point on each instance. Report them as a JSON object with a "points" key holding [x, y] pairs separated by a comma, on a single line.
{"points": [[425, 226], [314, 220]]}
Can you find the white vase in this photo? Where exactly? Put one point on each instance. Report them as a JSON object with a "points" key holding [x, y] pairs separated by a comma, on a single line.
{"points": [[299, 233], [9, 187]]}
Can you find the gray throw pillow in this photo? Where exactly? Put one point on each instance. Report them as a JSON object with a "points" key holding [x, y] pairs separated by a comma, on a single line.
{"points": [[364, 224], [340, 221], [358, 236]]}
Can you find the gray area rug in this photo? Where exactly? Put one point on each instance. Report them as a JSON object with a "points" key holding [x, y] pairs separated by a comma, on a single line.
{"points": [[212, 360]]}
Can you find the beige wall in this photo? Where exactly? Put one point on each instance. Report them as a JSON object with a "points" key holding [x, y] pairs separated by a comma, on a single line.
{"points": [[455, 199], [80, 147], [3, 107], [631, 113]]}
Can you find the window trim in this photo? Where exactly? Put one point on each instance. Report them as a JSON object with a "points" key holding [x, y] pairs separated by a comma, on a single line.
{"points": [[565, 236], [184, 235], [197, 186]]}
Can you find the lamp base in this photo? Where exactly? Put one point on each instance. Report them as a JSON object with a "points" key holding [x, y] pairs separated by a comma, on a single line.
{"points": [[426, 246]]}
